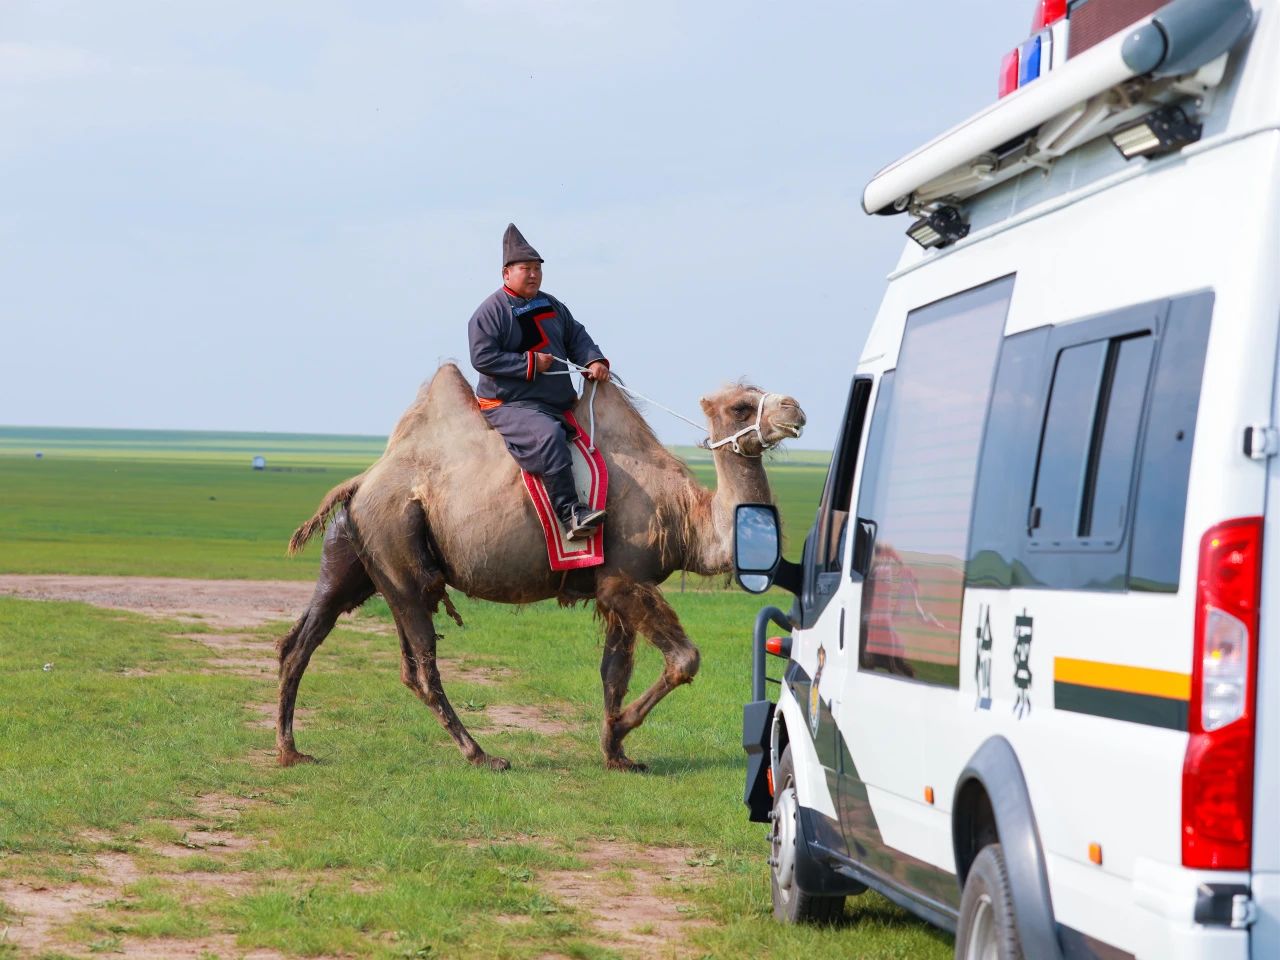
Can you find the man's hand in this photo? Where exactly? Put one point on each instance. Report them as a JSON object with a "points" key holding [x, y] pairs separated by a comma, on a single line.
{"points": [[598, 371], [542, 361]]}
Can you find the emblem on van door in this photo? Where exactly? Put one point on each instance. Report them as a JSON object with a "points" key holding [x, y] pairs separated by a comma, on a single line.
{"points": [[982, 659], [815, 702], [1022, 663]]}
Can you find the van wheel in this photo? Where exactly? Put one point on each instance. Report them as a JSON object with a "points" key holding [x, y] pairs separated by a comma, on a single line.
{"points": [[987, 930], [790, 903]]}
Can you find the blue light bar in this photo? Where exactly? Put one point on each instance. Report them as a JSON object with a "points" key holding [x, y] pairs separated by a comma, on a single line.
{"points": [[1030, 61]]}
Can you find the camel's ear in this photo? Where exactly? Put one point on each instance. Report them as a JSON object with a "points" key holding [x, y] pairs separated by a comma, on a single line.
{"points": [[707, 407]]}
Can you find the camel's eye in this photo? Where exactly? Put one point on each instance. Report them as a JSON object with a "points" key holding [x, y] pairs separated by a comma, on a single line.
{"points": [[740, 410]]}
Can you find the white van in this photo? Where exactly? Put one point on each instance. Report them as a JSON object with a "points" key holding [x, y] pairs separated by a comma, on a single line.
{"points": [[1032, 685]]}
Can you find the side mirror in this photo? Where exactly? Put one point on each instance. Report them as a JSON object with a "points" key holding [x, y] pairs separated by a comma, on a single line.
{"points": [[757, 547]]}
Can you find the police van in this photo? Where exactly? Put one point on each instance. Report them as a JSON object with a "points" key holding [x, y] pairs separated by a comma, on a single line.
{"points": [[1032, 684]]}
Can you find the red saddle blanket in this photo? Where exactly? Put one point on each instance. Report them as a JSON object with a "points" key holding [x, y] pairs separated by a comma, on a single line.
{"points": [[592, 479]]}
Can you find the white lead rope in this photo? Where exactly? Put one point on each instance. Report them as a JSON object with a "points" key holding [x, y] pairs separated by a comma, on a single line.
{"points": [[708, 443]]}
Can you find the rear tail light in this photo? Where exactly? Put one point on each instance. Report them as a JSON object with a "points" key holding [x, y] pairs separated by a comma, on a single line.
{"points": [[1226, 670], [1217, 773]]}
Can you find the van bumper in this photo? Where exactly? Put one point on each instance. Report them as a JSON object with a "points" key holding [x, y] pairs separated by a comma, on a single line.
{"points": [[1166, 896]]}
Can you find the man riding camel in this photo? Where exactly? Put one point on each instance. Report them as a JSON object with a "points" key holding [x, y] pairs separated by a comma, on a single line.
{"points": [[515, 336]]}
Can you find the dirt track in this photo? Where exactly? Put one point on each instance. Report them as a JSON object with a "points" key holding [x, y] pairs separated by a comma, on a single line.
{"points": [[219, 603]]}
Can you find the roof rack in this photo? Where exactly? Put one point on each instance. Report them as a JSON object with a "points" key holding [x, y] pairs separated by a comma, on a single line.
{"points": [[1178, 53]]}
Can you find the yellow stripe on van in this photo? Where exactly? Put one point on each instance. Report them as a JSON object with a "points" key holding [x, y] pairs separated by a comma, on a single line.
{"points": [[1116, 676]]}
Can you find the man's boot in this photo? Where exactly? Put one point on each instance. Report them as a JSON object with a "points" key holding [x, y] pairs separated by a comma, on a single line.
{"points": [[579, 520]]}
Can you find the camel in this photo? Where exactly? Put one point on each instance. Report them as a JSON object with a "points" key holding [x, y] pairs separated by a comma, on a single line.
{"points": [[445, 506]]}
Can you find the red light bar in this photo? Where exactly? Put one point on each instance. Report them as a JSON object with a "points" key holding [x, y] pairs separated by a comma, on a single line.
{"points": [[1007, 80], [1048, 12]]}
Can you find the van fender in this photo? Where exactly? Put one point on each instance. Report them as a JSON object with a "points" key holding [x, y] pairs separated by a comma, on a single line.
{"points": [[995, 769], [814, 874], [790, 726]]}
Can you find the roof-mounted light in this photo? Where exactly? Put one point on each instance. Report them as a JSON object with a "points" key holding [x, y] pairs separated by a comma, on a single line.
{"points": [[1180, 51], [1159, 132], [940, 228]]}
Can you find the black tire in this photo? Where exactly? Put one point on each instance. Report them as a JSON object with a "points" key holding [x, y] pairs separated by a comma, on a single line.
{"points": [[987, 930], [790, 903]]}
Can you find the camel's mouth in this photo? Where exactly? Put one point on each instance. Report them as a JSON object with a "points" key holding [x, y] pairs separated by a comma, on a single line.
{"points": [[790, 428]]}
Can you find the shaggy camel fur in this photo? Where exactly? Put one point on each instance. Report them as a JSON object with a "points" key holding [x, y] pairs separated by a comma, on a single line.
{"points": [[445, 505]]}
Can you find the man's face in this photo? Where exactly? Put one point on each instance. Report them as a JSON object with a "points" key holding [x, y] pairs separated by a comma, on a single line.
{"points": [[524, 278]]}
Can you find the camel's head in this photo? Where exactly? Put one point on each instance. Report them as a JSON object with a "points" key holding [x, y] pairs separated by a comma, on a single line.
{"points": [[756, 421]]}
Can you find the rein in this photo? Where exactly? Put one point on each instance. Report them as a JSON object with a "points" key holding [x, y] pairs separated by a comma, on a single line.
{"points": [[707, 444]]}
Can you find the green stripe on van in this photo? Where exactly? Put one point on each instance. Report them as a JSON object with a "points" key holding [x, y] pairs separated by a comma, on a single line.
{"points": [[1121, 705]]}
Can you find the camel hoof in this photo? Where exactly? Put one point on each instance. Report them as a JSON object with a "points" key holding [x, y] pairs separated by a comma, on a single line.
{"points": [[292, 757], [493, 763], [625, 764]]}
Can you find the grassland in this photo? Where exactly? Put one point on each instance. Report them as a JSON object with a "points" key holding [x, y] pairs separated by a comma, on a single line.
{"points": [[189, 505], [127, 743]]}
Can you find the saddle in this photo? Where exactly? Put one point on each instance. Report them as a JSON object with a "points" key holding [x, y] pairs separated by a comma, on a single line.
{"points": [[592, 480]]}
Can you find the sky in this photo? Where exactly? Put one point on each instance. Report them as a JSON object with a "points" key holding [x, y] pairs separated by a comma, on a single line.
{"points": [[279, 216]]}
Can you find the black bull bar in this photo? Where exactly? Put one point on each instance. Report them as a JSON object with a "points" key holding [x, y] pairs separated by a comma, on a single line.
{"points": [[757, 720]]}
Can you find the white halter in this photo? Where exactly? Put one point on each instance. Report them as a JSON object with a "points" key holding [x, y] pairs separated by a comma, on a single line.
{"points": [[707, 444], [733, 440]]}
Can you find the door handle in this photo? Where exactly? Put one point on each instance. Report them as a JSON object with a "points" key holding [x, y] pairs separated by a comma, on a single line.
{"points": [[841, 636]]}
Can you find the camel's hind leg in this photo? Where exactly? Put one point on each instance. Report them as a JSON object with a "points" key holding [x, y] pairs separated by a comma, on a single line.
{"points": [[406, 575], [628, 608], [343, 585], [421, 673]]}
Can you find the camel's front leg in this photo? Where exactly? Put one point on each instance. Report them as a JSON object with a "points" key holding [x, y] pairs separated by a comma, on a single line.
{"points": [[615, 673], [629, 608]]}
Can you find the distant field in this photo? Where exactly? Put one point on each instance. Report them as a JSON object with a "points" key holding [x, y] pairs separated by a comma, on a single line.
{"points": [[279, 449], [174, 503]]}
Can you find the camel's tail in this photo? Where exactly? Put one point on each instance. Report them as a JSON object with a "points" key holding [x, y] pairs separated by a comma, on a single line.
{"points": [[339, 496]]}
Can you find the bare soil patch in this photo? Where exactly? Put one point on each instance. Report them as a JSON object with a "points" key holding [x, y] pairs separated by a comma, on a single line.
{"points": [[622, 888], [481, 674], [38, 910], [223, 604], [230, 641], [263, 667], [222, 946], [519, 717]]}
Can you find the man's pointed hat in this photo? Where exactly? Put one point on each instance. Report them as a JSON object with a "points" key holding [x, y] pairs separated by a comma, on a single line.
{"points": [[516, 249]]}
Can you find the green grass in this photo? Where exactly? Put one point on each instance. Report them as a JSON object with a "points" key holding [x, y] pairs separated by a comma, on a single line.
{"points": [[433, 847], [393, 846], [188, 505]]}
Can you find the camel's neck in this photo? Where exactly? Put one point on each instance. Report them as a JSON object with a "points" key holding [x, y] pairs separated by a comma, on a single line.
{"points": [[739, 479]]}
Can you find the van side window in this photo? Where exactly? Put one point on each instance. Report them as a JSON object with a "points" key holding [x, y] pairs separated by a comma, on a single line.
{"points": [[1082, 487], [824, 550], [1086, 459], [835, 497], [918, 483], [1156, 554]]}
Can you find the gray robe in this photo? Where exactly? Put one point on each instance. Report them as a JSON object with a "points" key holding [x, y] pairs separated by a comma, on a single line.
{"points": [[526, 406]]}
